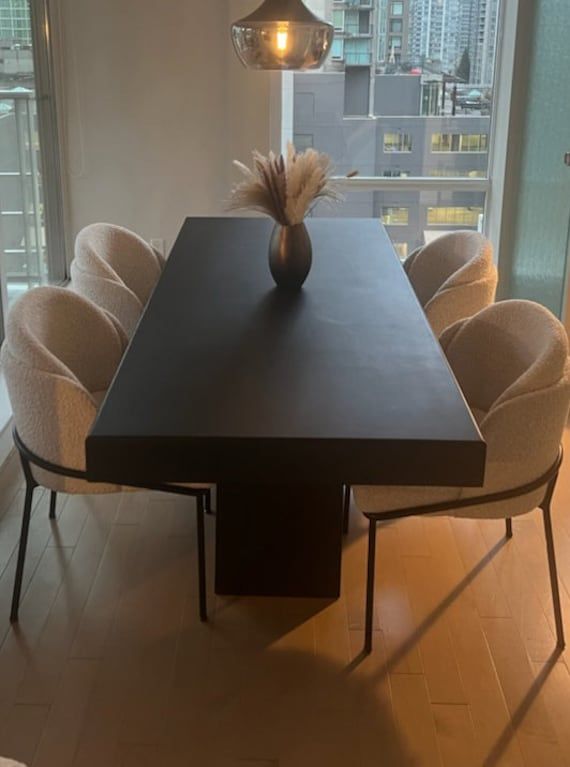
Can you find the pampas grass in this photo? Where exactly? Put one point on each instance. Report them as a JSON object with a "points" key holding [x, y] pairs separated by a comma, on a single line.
{"points": [[285, 189]]}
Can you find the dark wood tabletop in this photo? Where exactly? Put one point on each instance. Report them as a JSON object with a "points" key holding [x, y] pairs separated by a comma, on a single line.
{"points": [[227, 378]]}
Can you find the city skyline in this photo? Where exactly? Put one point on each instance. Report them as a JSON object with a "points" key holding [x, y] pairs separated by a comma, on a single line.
{"points": [[400, 35]]}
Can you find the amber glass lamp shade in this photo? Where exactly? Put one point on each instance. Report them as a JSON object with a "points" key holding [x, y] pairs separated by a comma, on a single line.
{"points": [[282, 34]]}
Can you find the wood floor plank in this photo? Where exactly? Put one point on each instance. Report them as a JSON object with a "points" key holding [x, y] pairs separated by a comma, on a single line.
{"points": [[535, 733], [21, 732], [380, 739], [20, 646], [65, 722], [54, 645], [436, 649], [394, 613], [519, 589], [556, 695], [490, 599], [456, 736], [415, 718], [488, 710]]}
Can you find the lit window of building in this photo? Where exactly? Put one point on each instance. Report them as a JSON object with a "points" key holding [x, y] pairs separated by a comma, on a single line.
{"points": [[459, 142], [454, 216], [397, 142], [395, 216]]}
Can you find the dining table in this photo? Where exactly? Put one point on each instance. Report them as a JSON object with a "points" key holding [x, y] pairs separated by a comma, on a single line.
{"points": [[281, 398]]}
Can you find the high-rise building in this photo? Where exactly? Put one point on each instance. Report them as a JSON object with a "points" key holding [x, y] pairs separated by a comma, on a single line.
{"points": [[393, 30], [442, 30], [484, 25], [15, 21]]}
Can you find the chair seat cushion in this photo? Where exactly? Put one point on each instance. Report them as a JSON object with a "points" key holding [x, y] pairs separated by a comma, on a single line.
{"points": [[384, 498]]}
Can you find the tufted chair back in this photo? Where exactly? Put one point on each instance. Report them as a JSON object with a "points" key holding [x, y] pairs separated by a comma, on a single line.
{"points": [[59, 357], [511, 361], [453, 277]]}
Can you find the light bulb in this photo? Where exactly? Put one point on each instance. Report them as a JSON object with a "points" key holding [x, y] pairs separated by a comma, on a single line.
{"points": [[282, 40]]}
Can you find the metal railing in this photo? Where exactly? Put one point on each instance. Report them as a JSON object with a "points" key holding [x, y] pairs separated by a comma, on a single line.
{"points": [[357, 58], [22, 233]]}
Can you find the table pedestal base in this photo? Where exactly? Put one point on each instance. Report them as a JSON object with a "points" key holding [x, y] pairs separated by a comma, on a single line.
{"points": [[279, 540]]}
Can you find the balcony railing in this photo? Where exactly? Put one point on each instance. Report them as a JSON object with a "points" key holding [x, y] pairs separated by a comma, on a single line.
{"points": [[360, 59], [354, 30], [22, 236], [353, 3]]}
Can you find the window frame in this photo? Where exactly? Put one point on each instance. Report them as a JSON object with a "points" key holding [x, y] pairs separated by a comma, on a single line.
{"points": [[493, 184], [50, 154]]}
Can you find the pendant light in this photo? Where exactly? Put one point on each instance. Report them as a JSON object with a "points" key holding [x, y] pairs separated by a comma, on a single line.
{"points": [[282, 34]]}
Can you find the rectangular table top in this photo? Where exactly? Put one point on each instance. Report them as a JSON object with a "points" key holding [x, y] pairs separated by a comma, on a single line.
{"points": [[229, 379]]}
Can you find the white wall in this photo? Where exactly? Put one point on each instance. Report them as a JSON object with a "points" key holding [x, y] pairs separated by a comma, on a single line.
{"points": [[155, 106]]}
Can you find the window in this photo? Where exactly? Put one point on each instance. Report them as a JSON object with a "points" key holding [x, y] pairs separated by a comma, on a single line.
{"points": [[303, 141], [454, 216], [338, 20], [357, 52], [397, 142], [459, 142], [337, 49], [31, 218], [395, 216], [382, 107]]}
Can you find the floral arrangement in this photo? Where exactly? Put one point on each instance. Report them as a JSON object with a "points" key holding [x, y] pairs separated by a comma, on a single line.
{"points": [[286, 189]]}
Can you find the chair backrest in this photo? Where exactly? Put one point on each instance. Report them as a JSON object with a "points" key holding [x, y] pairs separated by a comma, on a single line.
{"points": [[126, 257], [90, 278], [59, 350], [511, 361], [453, 277]]}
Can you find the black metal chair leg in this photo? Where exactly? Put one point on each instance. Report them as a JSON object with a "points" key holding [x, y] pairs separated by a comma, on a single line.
{"points": [[553, 575], [208, 501], [370, 587], [346, 508], [22, 551], [509, 523], [201, 558], [52, 504]]}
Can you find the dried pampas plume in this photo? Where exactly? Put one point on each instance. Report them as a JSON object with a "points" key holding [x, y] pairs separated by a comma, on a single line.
{"points": [[285, 189]]}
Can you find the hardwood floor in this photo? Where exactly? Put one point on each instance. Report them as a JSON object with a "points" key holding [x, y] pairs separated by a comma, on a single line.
{"points": [[110, 666]]}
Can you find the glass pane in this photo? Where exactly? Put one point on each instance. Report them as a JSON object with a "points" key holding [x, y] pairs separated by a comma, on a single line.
{"points": [[412, 98], [540, 251], [22, 230], [412, 218]]}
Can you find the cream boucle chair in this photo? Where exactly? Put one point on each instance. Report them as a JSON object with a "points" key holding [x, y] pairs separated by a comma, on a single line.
{"points": [[117, 270], [453, 277], [511, 361], [59, 356]]}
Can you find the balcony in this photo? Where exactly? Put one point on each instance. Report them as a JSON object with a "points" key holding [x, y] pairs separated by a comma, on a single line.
{"points": [[355, 30], [364, 4], [22, 236], [357, 59]]}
